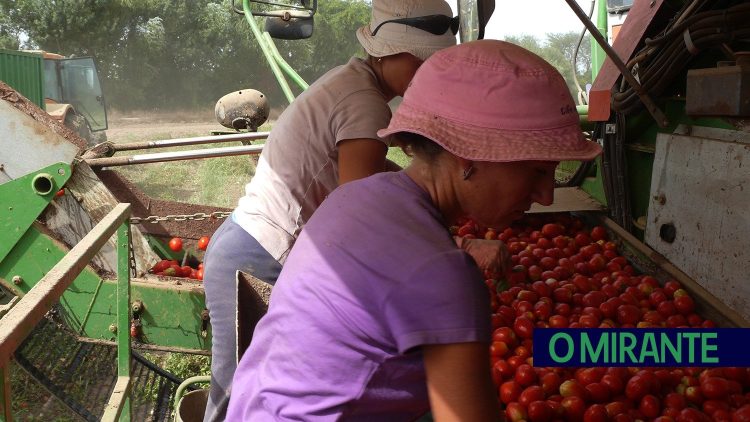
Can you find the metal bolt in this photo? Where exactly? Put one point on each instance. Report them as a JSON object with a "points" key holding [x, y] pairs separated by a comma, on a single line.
{"points": [[113, 328], [137, 306], [61, 171], [17, 279]]}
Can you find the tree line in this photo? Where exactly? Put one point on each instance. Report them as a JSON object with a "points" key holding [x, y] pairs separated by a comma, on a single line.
{"points": [[184, 54]]}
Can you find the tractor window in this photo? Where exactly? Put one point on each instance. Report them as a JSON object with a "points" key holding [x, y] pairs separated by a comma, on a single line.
{"points": [[81, 89], [619, 6], [51, 81]]}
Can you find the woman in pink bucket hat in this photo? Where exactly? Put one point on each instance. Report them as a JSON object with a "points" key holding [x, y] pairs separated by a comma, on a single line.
{"points": [[326, 137], [378, 315]]}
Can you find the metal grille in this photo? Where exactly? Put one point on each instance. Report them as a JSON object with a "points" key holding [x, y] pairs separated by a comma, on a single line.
{"points": [[82, 375]]}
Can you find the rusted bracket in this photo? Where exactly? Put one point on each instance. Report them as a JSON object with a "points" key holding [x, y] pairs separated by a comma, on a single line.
{"points": [[656, 113]]}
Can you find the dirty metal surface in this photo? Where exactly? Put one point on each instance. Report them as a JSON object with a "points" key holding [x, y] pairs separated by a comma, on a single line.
{"points": [[27, 144], [721, 91], [143, 206], [698, 212], [20, 102], [85, 202], [568, 199], [633, 30], [253, 296]]}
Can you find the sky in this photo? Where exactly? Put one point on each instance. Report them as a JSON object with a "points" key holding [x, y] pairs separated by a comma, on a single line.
{"points": [[533, 17]]}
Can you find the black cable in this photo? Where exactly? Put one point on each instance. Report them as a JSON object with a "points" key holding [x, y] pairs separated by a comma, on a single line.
{"points": [[666, 56]]}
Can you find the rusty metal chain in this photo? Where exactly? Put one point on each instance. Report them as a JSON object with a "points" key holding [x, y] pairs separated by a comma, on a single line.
{"points": [[131, 254], [216, 215]]}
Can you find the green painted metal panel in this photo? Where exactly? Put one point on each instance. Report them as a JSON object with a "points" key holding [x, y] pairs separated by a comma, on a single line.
{"points": [[123, 310], [25, 198], [594, 186], [171, 316], [24, 72]]}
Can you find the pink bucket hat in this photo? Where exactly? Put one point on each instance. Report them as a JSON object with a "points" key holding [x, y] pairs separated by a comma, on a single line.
{"points": [[491, 100]]}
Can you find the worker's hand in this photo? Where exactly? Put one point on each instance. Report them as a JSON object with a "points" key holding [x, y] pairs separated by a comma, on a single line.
{"points": [[491, 256]]}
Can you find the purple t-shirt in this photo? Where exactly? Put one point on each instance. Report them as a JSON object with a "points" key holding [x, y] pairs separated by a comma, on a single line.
{"points": [[373, 276]]}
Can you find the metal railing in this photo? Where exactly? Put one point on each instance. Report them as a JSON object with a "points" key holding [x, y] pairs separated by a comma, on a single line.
{"points": [[21, 319]]}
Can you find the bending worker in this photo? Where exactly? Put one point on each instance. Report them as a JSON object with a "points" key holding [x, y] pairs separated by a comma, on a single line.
{"points": [[325, 138], [378, 315]]}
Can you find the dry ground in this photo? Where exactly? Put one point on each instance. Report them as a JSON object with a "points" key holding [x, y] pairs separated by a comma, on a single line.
{"points": [[144, 125]]}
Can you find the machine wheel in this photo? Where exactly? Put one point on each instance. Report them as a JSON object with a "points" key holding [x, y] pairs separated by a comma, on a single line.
{"points": [[80, 126]]}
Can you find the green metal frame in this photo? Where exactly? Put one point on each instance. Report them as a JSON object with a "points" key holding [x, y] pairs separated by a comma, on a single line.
{"points": [[274, 59], [24, 199], [18, 323], [24, 72], [597, 53], [170, 319]]}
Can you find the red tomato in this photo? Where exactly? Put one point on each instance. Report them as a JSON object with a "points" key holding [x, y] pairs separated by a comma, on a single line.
{"points": [[712, 406], [540, 411], [598, 233], [570, 388], [614, 383], [523, 327], [684, 304], [199, 274], [650, 406], [161, 266], [134, 332], [531, 394], [666, 308], [504, 368], [636, 388], [573, 407], [690, 414], [714, 387], [509, 391], [742, 414], [596, 413], [675, 401], [505, 335], [628, 314], [551, 383], [175, 244], [203, 242], [597, 392], [498, 349], [617, 408], [558, 321], [552, 230], [693, 395], [516, 412], [671, 286], [525, 375]]}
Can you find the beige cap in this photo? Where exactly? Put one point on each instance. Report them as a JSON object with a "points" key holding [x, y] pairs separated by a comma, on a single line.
{"points": [[394, 38]]}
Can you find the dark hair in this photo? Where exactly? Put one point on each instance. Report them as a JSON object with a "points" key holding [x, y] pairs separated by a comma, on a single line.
{"points": [[414, 144]]}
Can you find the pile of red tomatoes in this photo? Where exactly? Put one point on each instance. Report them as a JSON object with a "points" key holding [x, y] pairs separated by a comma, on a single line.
{"points": [[172, 268], [565, 275]]}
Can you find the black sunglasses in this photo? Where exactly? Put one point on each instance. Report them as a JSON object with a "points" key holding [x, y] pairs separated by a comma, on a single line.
{"points": [[434, 24]]}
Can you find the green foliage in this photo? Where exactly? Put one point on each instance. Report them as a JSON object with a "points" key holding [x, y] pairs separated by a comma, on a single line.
{"points": [[182, 365], [8, 33], [559, 49], [166, 54]]}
